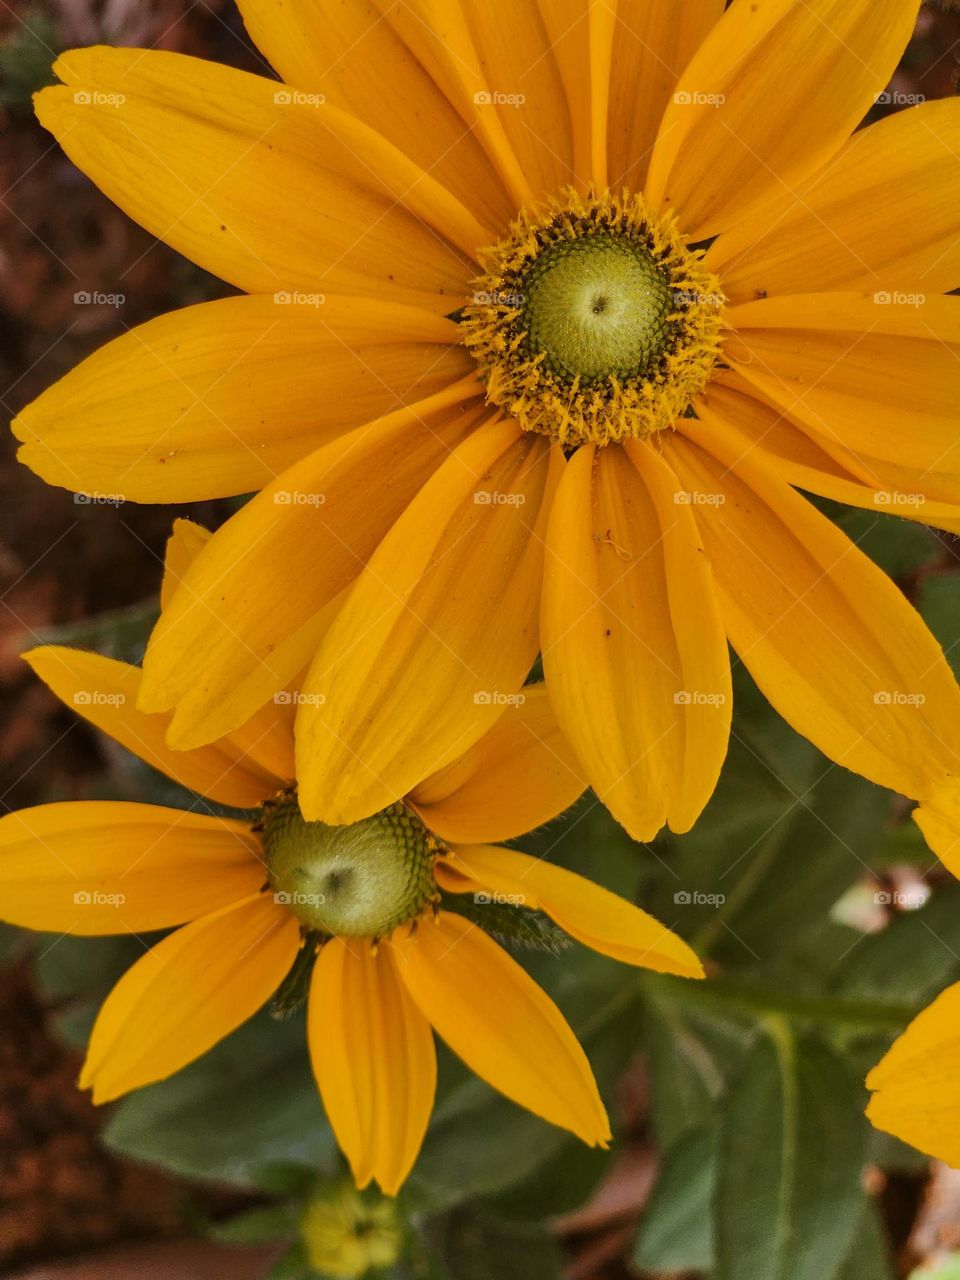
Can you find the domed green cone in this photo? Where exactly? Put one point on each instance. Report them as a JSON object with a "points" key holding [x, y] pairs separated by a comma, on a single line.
{"points": [[359, 881]]}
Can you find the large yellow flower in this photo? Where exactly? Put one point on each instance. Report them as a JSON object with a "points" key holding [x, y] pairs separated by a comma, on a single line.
{"points": [[488, 379], [250, 900]]}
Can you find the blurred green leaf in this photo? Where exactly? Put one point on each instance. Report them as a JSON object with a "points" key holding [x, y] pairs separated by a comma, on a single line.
{"points": [[789, 1155], [12, 942], [939, 602], [477, 1246], [869, 1256], [293, 1265], [121, 633], [76, 974], [250, 1102], [913, 959], [899, 547], [260, 1225], [676, 1233], [26, 57]]}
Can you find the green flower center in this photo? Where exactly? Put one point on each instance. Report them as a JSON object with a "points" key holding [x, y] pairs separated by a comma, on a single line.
{"points": [[597, 307], [360, 881], [593, 320]]}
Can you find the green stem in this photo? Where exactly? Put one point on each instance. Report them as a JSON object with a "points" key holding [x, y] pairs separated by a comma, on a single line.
{"points": [[754, 1002]]}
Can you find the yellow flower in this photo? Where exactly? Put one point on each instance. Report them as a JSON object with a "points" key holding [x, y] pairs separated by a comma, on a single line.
{"points": [[344, 1236], [248, 901], [917, 1084], [552, 308]]}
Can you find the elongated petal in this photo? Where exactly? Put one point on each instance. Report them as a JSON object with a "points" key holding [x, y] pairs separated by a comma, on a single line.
{"points": [[187, 993], [519, 775], [879, 378], [218, 399], [102, 867], [634, 654], [374, 1060], [105, 691], [352, 53], [829, 639], [494, 1016], [938, 817], [917, 1095], [593, 915], [653, 42], [773, 92], [439, 627], [185, 543], [735, 417], [266, 192], [266, 739], [882, 215], [254, 603], [497, 63]]}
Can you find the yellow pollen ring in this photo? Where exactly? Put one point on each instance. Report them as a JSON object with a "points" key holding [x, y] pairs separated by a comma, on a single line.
{"points": [[594, 321]]}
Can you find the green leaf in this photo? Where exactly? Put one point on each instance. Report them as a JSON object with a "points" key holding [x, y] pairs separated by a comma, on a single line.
{"points": [[293, 1265], [899, 547], [248, 1103], [687, 1068], [676, 1233], [477, 1246], [869, 1257], [790, 1152], [260, 1225], [12, 942], [913, 959], [939, 603]]}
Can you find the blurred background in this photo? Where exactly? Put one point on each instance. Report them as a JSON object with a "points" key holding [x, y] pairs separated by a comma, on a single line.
{"points": [[813, 900]]}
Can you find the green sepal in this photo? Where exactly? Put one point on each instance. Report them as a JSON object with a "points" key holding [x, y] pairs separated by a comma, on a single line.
{"points": [[515, 927], [292, 992]]}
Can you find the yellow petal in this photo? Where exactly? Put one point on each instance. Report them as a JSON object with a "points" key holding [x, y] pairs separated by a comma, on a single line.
{"points": [[593, 915], [519, 775], [353, 55], [105, 691], [267, 193], [266, 739], [881, 216], [653, 42], [219, 398], [513, 61], [441, 37], [102, 867], [938, 817], [581, 34], [879, 378], [917, 1083], [187, 993], [440, 625], [634, 654], [735, 420], [373, 1058], [505, 1028], [773, 92], [832, 643], [185, 543], [252, 606]]}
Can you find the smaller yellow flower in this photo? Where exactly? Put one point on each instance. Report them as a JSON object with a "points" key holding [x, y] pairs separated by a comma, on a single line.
{"points": [[346, 1236], [256, 899], [916, 1085]]}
